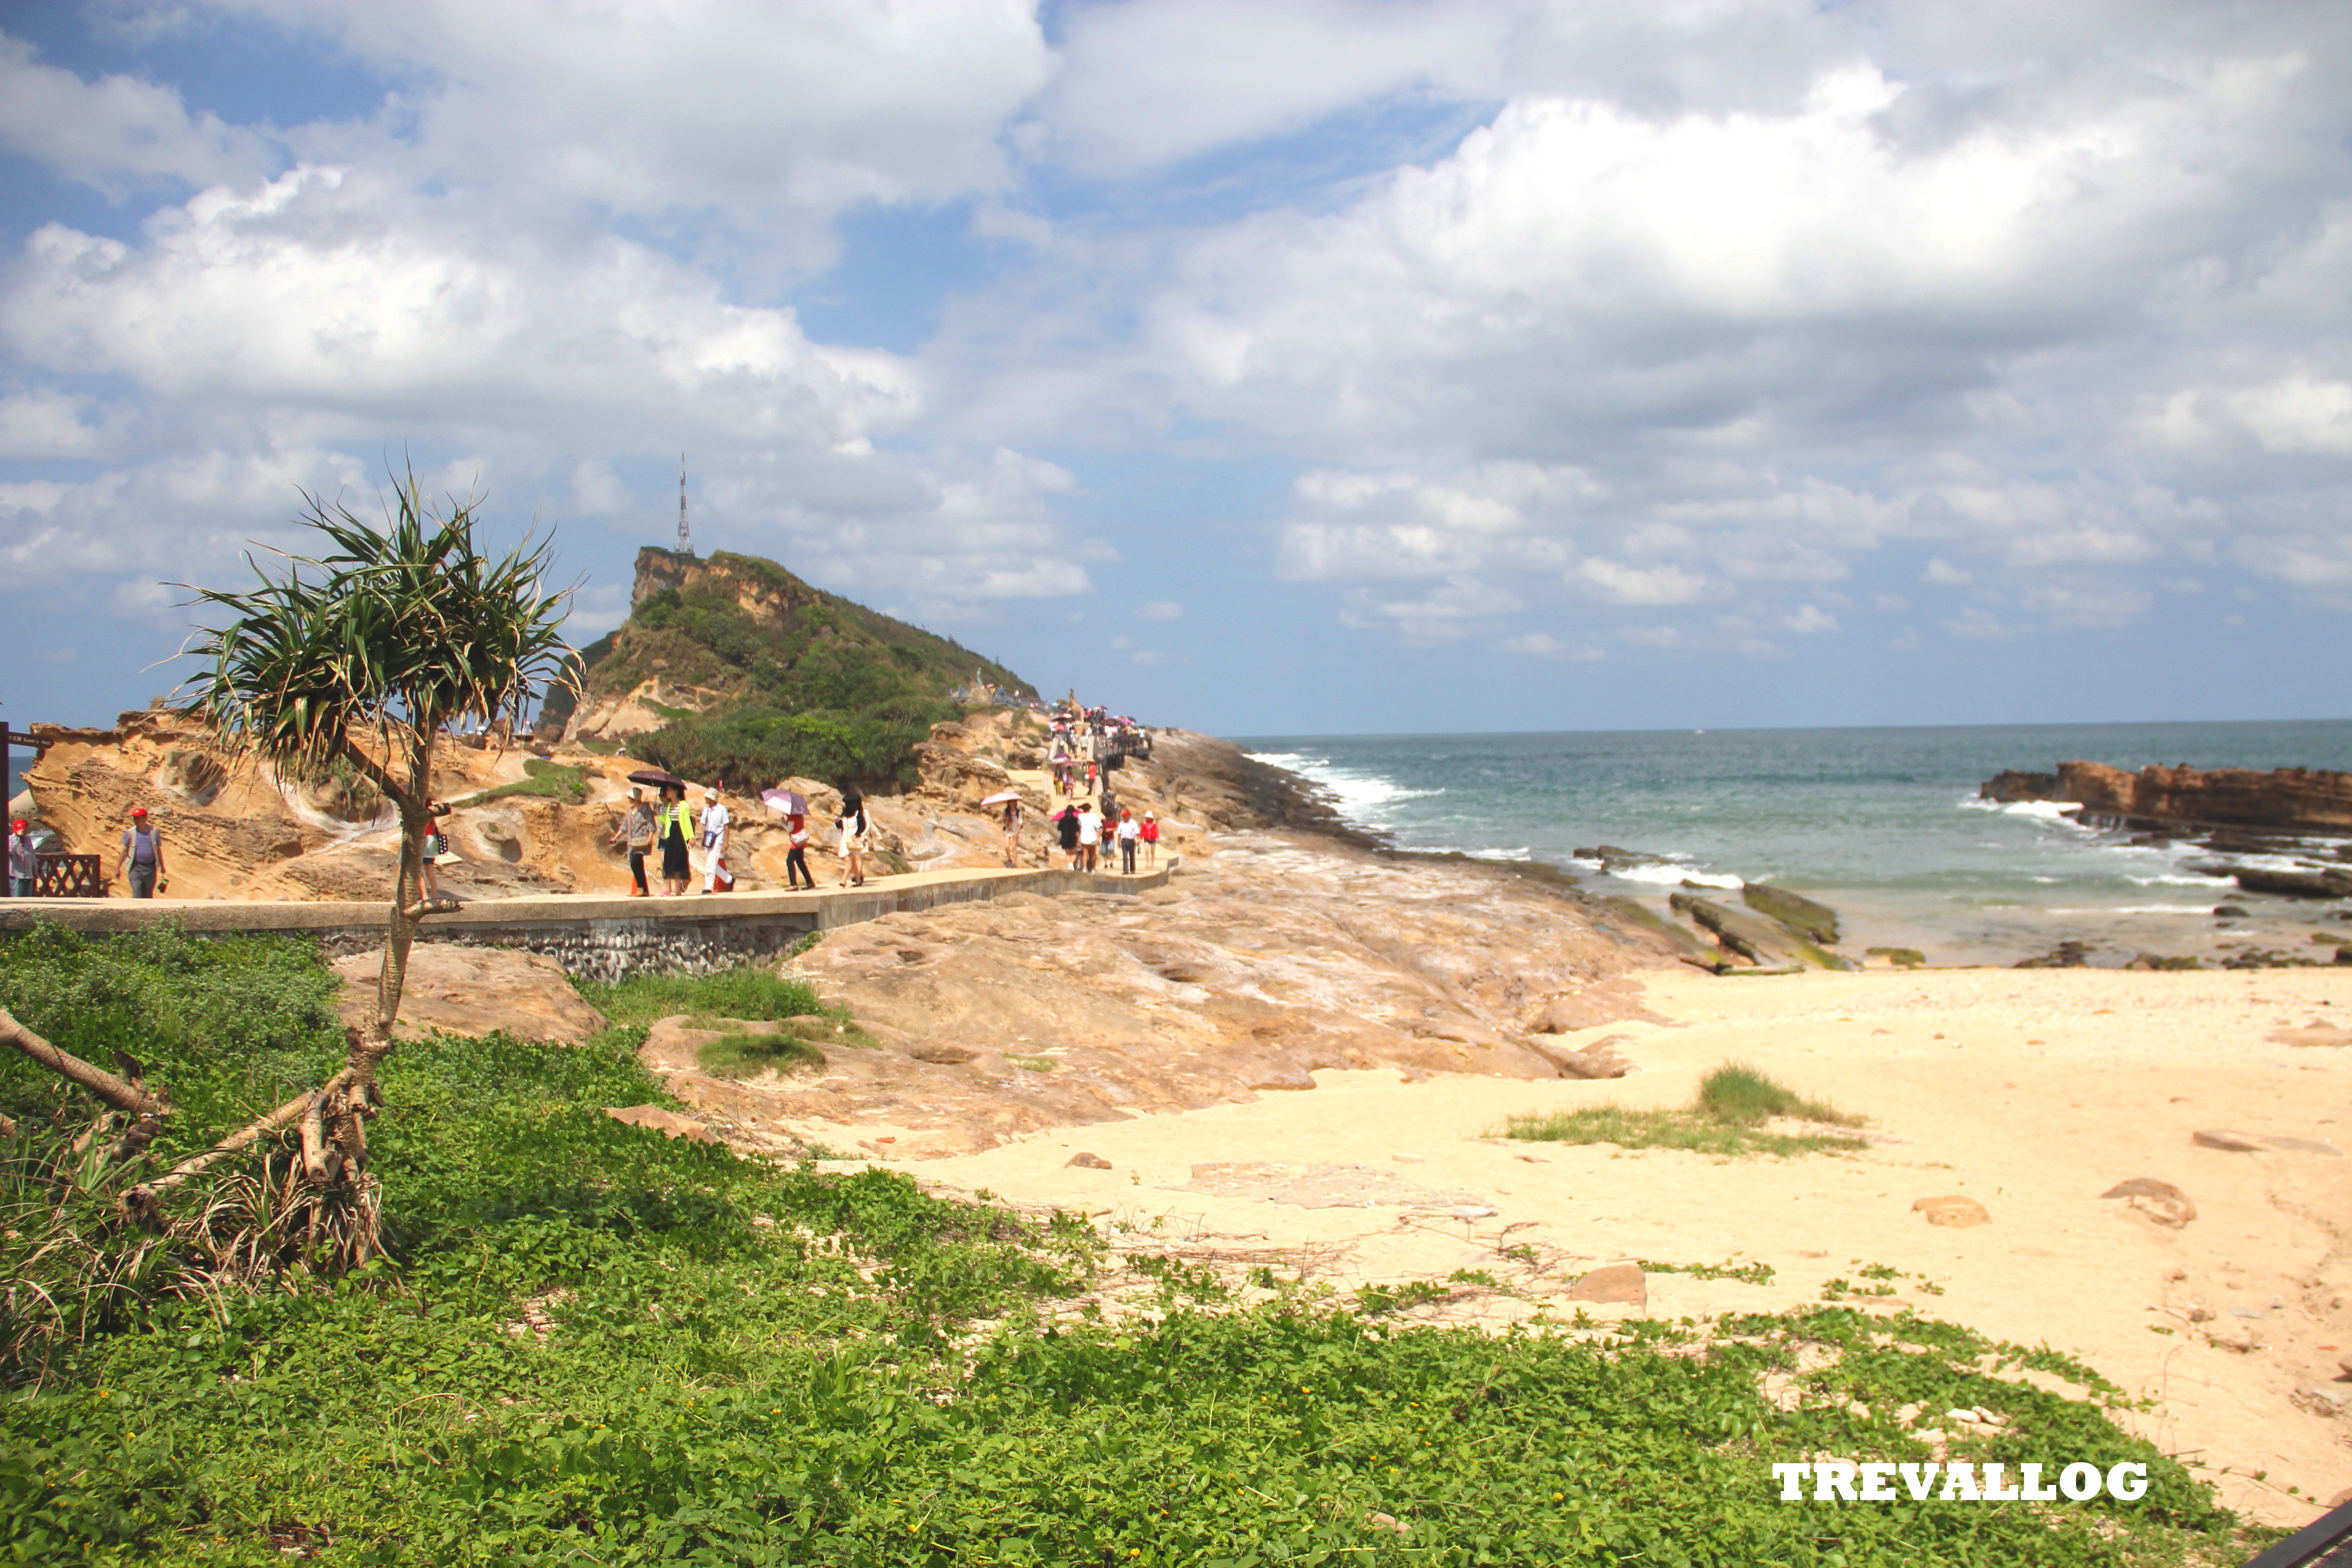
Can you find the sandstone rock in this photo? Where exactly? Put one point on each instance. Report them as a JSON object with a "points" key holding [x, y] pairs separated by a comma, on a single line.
{"points": [[2296, 884], [1954, 1211], [2316, 1033], [2302, 1145], [2161, 1200], [1621, 1283], [941, 1054], [1798, 912], [471, 991], [1765, 942], [2225, 1139], [1597, 1059], [1086, 1160], [665, 1121], [2240, 798]]}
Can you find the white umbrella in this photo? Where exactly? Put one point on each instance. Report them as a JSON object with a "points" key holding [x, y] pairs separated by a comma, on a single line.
{"points": [[787, 801], [1000, 796]]}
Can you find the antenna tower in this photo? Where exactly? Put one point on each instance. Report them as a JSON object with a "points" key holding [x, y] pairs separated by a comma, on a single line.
{"points": [[684, 542]]}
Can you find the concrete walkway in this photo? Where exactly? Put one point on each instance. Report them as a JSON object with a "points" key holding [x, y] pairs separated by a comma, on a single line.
{"points": [[602, 936]]}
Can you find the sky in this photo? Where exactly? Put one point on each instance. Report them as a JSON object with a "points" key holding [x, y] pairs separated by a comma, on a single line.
{"points": [[1260, 366]]}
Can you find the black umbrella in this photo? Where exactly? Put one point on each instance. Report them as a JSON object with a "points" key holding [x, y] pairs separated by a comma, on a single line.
{"points": [[657, 778]]}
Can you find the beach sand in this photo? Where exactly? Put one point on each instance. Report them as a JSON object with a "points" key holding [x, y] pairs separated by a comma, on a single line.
{"points": [[2031, 1091]]}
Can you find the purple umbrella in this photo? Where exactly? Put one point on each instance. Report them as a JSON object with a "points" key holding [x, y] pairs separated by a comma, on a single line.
{"points": [[787, 801]]}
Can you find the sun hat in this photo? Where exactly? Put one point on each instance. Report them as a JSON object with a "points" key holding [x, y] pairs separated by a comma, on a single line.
{"points": [[710, 792]]}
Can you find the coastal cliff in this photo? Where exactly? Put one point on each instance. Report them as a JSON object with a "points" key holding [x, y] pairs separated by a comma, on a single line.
{"points": [[2285, 800]]}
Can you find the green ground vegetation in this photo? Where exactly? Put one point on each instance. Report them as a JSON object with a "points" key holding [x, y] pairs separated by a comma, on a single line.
{"points": [[541, 779], [597, 1345], [820, 687], [1726, 1118]]}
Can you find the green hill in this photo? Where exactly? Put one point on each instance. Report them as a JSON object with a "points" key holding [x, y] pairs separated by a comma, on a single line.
{"points": [[759, 677]]}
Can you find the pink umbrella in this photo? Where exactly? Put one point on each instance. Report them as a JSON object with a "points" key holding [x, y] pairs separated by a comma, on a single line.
{"points": [[787, 801], [1000, 796]]}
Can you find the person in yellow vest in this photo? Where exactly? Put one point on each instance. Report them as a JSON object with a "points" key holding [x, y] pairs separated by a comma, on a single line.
{"points": [[673, 831]]}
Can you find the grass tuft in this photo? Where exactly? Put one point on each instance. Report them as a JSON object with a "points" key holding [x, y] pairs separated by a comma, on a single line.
{"points": [[1726, 1119]]}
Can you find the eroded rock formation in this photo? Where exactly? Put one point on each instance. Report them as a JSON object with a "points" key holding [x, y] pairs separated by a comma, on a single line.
{"points": [[2295, 800]]}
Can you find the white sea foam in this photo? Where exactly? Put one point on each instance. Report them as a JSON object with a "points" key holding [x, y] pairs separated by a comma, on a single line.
{"points": [[2136, 910], [1360, 797], [1672, 875]]}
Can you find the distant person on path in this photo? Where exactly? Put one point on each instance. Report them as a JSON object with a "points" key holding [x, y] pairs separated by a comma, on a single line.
{"points": [[715, 877], [853, 828], [1149, 833], [1130, 834], [1067, 828], [1012, 815], [796, 869], [142, 856], [1089, 833], [671, 832], [428, 856], [636, 834], [24, 871]]}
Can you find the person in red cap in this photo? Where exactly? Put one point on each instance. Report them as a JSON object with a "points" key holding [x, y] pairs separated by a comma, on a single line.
{"points": [[142, 856], [23, 875]]}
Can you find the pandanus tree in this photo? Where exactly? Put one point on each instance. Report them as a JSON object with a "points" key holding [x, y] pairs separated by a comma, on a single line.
{"points": [[358, 654]]}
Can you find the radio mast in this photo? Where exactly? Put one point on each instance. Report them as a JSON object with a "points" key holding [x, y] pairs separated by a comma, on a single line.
{"points": [[685, 541]]}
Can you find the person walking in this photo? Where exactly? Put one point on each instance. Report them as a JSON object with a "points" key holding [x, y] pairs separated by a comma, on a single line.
{"points": [[1066, 827], [142, 856], [1013, 816], [715, 877], [635, 833], [429, 856], [1149, 833], [1089, 833], [796, 869], [1129, 835], [853, 824], [671, 832], [24, 870]]}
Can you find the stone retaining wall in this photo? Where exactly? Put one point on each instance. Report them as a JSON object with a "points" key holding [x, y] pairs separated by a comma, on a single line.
{"points": [[599, 938]]}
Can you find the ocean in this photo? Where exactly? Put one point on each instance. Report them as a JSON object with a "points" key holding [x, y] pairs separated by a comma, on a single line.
{"points": [[1883, 824]]}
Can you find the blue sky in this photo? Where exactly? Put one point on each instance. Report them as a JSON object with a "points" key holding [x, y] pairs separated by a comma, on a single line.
{"points": [[1288, 366]]}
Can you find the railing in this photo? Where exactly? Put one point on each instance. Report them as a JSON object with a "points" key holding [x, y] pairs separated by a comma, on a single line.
{"points": [[68, 876], [2323, 1544]]}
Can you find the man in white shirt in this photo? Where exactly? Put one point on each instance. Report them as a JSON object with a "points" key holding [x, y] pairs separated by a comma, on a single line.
{"points": [[1089, 833]]}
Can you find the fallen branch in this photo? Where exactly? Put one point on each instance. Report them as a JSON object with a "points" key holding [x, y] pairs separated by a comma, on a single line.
{"points": [[132, 1099]]}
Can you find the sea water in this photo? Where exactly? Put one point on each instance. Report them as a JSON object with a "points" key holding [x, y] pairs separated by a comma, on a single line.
{"points": [[1883, 824]]}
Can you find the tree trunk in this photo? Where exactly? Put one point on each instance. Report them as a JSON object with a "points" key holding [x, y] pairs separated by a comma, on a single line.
{"points": [[406, 915]]}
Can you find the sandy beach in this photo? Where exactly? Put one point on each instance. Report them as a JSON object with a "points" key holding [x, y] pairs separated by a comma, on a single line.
{"points": [[2031, 1091]]}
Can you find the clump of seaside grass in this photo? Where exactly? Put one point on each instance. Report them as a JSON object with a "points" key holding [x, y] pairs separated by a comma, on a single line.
{"points": [[1727, 1118]]}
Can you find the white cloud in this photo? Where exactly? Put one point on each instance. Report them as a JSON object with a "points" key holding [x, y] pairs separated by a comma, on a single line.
{"points": [[117, 131], [1944, 574], [1543, 644], [1160, 610], [779, 116], [1810, 620], [1624, 584]]}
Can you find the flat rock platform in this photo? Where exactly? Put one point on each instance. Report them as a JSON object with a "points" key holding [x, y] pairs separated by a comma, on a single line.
{"points": [[598, 935]]}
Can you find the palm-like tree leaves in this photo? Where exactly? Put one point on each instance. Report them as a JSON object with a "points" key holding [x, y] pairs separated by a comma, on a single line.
{"points": [[395, 630]]}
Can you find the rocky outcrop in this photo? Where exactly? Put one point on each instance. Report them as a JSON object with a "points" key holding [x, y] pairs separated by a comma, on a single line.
{"points": [[1763, 941], [2299, 800], [1268, 961], [471, 991], [1815, 921]]}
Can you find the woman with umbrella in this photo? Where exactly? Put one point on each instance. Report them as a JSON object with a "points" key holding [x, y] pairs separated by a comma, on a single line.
{"points": [[796, 829], [1011, 801]]}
